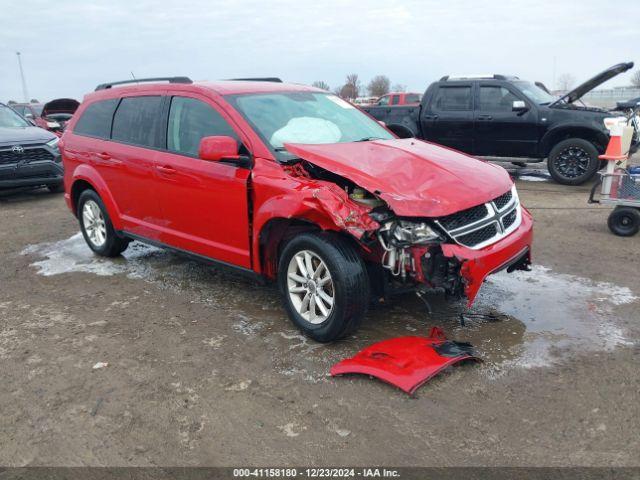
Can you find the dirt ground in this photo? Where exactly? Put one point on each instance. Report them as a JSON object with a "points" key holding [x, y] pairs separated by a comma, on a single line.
{"points": [[204, 368]]}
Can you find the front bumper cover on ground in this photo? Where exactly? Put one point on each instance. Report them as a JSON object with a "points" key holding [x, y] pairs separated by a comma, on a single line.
{"points": [[407, 362]]}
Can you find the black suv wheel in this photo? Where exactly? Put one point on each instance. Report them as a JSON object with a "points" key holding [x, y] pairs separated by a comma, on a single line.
{"points": [[324, 285], [573, 161], [96, 226]]}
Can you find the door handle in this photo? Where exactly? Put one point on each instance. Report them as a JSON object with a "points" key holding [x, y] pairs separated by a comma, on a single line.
{"points": [[166, 169], [431, 117], [103, 156], [485, 117]]}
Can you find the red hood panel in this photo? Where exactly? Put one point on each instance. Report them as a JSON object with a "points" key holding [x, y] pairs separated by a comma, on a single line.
{"points": [[415, 178]]}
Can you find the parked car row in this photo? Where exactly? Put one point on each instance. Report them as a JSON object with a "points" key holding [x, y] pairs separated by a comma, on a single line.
{"points": [[52, 116], [29, 155]]}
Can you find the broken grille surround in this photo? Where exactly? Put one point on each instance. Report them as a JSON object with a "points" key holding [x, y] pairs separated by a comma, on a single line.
{"points": [[494, 216]]}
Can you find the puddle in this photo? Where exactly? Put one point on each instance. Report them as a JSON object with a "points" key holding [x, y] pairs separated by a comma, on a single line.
{"points": [[522, 319], [530, 175]]}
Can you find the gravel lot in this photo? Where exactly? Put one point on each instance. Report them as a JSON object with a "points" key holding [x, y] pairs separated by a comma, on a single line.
{"points": [[203, 367]]}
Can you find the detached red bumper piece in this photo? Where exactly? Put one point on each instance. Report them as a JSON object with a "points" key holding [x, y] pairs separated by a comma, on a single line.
{"points": [[407, 362]]}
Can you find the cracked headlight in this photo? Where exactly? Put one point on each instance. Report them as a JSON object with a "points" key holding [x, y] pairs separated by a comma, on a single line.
{"points": [[415, 233]]}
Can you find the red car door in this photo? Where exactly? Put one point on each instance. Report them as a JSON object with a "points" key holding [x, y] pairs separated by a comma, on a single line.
{"points": [[204, 204], [126, 163]]}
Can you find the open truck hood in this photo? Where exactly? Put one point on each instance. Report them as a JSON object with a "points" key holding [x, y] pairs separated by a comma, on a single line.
{"points": [[415, 178], [594, 82], [60, 105]]}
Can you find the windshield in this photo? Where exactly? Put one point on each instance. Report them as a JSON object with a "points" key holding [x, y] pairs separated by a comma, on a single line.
{"points": [[10, 119], [535, 93], [306, 117]]}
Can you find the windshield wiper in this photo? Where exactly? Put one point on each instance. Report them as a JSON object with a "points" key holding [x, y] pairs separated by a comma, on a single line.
{"points": [[368, 139]]}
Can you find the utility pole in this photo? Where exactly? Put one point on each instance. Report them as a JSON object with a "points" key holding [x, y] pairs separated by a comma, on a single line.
{"points": [[24, 83]]}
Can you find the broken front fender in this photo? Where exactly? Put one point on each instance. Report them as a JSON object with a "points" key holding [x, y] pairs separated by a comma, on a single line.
{"points": [[512, 251]]}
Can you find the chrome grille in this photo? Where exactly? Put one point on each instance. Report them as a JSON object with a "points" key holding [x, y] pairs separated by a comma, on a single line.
{"points": [[465, 217], [478, 236], [484, 224], [503, 200]]}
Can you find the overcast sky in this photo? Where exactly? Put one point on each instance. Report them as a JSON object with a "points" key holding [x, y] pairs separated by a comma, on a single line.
{"points": [[68, 47]]}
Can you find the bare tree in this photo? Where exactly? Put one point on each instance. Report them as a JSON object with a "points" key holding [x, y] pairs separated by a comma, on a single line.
{"points": [[379, 86], [635, 79], [565, 81], [399, 87], [351, 89], [321, 84], [34, 100]]}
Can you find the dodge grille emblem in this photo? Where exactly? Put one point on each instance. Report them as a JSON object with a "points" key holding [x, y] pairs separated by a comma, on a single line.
{"points": [[17, 149]]}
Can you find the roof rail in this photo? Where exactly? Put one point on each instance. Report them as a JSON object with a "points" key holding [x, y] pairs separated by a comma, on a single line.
{"points": [[257, 79], [104, 86], [486, 76]]}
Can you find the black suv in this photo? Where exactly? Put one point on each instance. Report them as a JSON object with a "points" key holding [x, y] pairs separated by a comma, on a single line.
{"points": [[503, 116], [29, 155]]}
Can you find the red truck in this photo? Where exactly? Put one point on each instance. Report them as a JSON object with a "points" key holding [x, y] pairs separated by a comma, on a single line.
{"points": [[291, 184], [400, 98]]}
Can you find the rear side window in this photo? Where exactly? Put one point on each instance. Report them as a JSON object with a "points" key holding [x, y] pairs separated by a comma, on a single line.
{"points": [[412, 98], [189, 121], [137, 121], [453, 98], [96, 119]]}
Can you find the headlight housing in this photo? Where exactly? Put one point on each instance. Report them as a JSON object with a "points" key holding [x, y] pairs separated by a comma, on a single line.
{"points": [[415, 233], [54, 144], [611, 122]]}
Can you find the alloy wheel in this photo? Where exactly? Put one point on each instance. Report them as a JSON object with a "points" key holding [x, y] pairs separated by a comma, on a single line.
{"points": [[572, 162], [310, 286], [94, 223]]}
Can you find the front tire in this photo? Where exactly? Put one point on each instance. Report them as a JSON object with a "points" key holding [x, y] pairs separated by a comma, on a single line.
{"points": [[624, 221], [324, 285], [573, 161], [96, 226]]}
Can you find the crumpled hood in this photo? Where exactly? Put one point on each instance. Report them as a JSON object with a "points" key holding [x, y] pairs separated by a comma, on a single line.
{"points": [[24, 135], [415, 178]]}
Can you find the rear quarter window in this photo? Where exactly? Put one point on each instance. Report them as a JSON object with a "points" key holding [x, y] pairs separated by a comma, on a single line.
{"points": [[95, 121], [453, 98], [137, 121]]}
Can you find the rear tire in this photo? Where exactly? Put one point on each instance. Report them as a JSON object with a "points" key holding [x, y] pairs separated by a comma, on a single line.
{"points": [[624, 221], [342, 300], [97, 228], [573, 161]]}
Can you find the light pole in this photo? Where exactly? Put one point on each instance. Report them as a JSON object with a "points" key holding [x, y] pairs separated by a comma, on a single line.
{"points": [[24, 83]]}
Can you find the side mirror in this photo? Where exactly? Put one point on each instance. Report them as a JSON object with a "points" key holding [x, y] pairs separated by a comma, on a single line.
{"points": [[214, 149], [519, 106], [28, 116], [382, 123]]}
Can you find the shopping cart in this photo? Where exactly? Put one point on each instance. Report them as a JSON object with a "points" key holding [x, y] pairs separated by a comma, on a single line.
{"points": [[620, 186]]}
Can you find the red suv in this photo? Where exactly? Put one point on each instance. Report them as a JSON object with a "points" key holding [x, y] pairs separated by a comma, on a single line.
{"points": [[293, 184]]}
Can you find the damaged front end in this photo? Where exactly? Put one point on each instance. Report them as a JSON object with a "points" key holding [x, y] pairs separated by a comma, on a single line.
{"points": [[448, 251], [454, 254], [412, 257]]}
